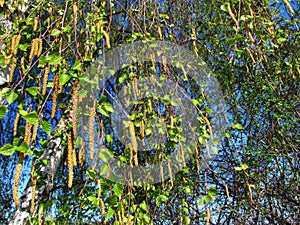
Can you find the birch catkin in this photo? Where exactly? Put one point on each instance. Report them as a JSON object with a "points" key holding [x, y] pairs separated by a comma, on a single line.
{"points": [[35, 23], [15, 41], [92, 114], [33, 180], [16, 124], [133, 144], [75, 99], [70, 159], [12, 69], [45, 80], [27, 137], [17, 179], [54, 98]]}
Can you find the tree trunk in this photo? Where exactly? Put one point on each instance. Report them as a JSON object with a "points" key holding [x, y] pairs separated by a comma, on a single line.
{"points": [[53, 153]]}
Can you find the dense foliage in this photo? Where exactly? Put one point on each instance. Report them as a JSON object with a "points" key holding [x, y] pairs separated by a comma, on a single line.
{"points": [[251, 47]]}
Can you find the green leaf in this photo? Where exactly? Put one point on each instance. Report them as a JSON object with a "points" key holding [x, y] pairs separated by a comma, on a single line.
{"points": [[237, 126], [105, 155], [238, 168], [54, 59], [91, 173], [67, 29], [64, 78], [110, 213], [3, 111], [224, 7], [281, 40], [11, 97], [77, 66], [144, 206], [112, 200], [7, 150], [22, 47], [23, 147], [244, 166], [163, 198], [118, 189], [108, 107], [32, 117], [32, 91], [46, 126], [55, 32], [104, 169], [212, 191]]}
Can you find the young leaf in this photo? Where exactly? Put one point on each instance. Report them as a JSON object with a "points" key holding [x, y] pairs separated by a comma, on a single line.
{"points": [[32, 117], [7, 150], [3, 110], [46, 126]]}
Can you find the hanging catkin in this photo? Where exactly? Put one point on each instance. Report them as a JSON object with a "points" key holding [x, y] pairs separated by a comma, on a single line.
{"points": [[12, 69], [70, 158], [34, 133], [54, 98], [33, 181], [27, 136], [16, 124], [92, 114], [133, 145], [17, 179], [45, 80], [75, 100], [40, 47], [102, 206], [80, 153], [2, 3], [35, 23], [15, 41]]}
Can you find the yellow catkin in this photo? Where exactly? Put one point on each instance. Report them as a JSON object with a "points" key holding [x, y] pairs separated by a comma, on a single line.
{"points": [[2, 3], [142, 129], [196, 50], [14, 43], [33, 180], [75, 11], [16, 124], [27, 137], [12, 69], [54, 98], [133, 144], [286, 2], [39, 47], [17, 179], [92, 114], [102, 206], [208, 216], [80, 153], [35, 23], [107, 39], [70, 159], [7, 59], [161, 169], [45, 80], [232, 15], [197, 158], [75, 99], [34, 48], [34, 133], [22, 64]]}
